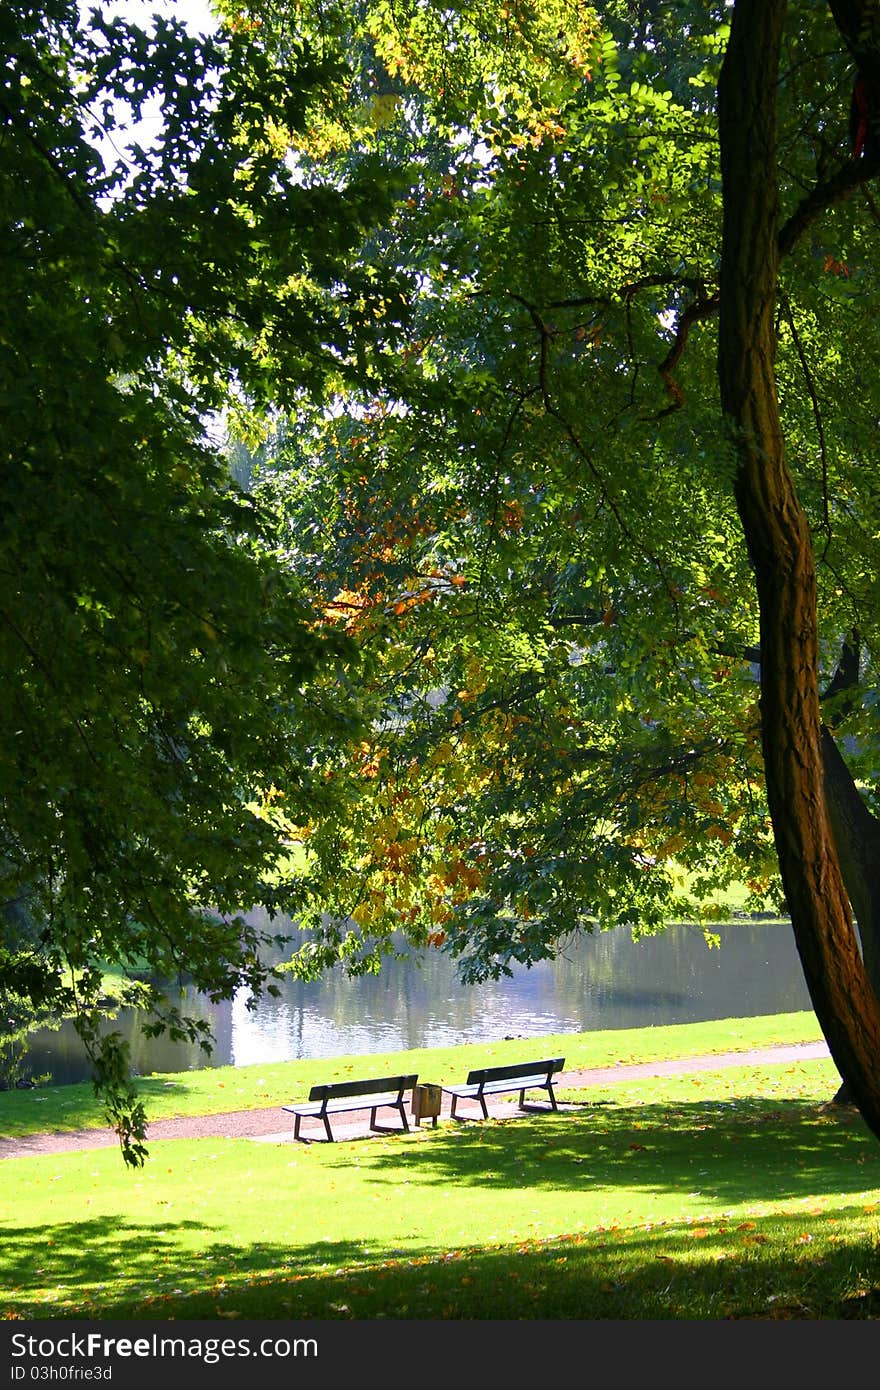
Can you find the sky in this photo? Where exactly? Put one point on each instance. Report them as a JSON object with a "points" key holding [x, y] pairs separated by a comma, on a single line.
{"points": [[196, 14], [198, 18]]}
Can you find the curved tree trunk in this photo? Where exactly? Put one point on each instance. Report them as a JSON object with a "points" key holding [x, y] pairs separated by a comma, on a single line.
{"points": [[778, 538]]}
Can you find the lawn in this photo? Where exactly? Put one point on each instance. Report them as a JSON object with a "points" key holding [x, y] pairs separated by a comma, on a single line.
{"points": [[728, 1194]]}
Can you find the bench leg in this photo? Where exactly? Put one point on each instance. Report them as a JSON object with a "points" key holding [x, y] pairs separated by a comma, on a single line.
{"points": [[522, 1100], [552, 1096], [482, 1099], [398, 1105], [326, 1120], [296, 1126]]}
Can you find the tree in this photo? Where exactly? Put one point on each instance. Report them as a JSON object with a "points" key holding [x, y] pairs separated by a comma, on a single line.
{"points": [[780, 546], [163, 674], [554, 547]]}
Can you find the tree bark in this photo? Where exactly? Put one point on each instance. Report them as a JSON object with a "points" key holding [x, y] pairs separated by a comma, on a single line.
{"points": [[778, 538]]}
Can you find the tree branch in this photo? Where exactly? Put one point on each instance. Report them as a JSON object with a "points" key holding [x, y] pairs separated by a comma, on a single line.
{"points": [[834, 190]]}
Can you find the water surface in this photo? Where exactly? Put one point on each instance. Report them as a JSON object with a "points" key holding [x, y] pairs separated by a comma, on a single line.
{"points": [[598, 982]]}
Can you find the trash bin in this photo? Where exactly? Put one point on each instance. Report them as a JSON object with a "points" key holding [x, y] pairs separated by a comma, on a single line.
{"points": [[426, 1102]]}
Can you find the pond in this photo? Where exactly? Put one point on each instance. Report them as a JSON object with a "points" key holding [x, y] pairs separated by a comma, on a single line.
{"points": [[598, 982]]}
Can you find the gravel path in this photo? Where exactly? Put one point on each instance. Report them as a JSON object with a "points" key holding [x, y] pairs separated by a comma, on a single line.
{"points": [[272, 1126]]}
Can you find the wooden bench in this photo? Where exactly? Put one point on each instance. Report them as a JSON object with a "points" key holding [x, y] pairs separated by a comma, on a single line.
{"points": [[493, 1081], [372, 1095]]}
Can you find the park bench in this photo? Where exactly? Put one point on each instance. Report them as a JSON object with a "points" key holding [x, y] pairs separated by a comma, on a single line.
{"points": [[335, 1097], [493, 1081]]}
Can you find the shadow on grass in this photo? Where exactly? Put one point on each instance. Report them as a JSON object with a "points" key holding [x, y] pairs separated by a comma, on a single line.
{"points": [[719, 1270], [732, 1152], [78, 1259]]}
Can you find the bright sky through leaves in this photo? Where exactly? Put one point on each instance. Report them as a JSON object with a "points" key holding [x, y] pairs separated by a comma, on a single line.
{"points": [[198, 17], [196, 14]]}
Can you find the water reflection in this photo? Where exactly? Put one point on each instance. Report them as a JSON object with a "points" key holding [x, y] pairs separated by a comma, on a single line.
{"points": [[599, 982]]}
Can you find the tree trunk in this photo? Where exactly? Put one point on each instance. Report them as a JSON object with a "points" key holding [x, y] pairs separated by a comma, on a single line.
{"points": [[778, 539]]}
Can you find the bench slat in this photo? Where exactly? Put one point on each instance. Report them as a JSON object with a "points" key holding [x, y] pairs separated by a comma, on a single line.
{"points": [[511, 1071], [343, 1103], [338, 1089], [491, 1088]]}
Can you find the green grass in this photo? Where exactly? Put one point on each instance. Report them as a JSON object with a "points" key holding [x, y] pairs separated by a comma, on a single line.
{"points": [[216, 1089], [727, 1194]]}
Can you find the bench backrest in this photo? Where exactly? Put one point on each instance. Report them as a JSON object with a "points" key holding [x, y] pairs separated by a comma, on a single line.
{"points": [[362, 1088], [514, 1069]]}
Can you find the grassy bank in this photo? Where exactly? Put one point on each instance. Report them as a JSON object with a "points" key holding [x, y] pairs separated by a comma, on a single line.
{"points": [[724, 1194]]}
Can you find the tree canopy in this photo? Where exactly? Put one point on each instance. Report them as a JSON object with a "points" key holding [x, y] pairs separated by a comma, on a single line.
{"points": [[549, 332], [160, 665]]}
